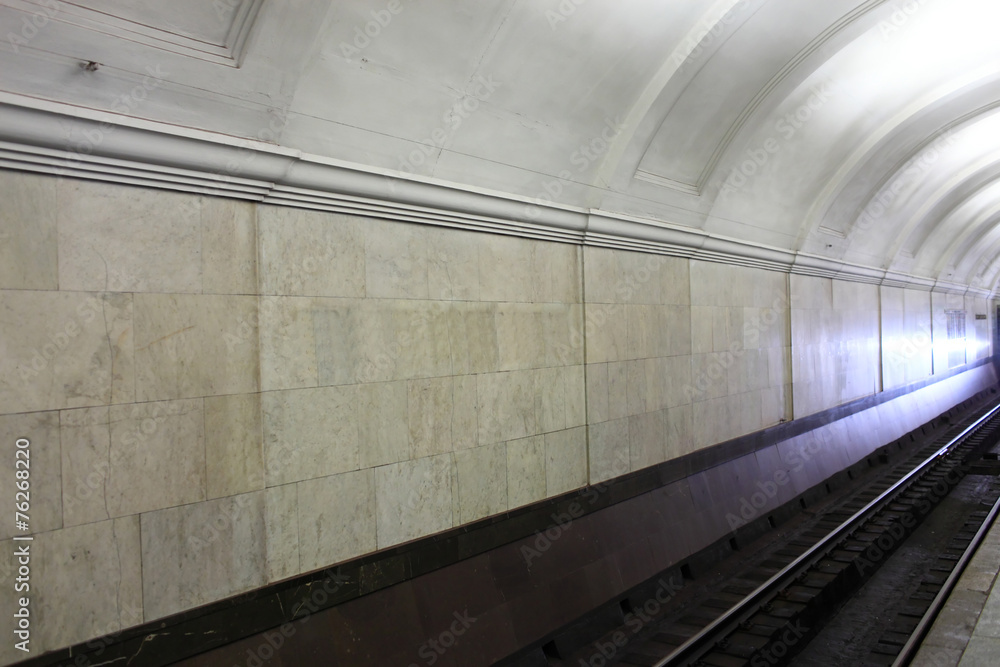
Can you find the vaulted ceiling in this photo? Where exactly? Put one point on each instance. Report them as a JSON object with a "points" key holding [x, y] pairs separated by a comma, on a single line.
{"points": [[864, 132]]}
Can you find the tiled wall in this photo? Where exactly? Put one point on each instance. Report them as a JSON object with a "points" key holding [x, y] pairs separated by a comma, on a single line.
{"points": [[220, 395], [638, 349], [741, 363], [835, 342], [906, 336]]}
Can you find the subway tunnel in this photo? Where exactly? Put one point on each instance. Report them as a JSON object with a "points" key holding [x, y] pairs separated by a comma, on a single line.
{"points": [[513, 332]]}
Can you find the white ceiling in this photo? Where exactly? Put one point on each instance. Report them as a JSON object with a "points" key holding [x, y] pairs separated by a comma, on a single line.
{"points": [[867, 132]]}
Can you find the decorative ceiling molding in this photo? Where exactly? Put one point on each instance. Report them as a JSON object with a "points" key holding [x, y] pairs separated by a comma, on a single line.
{"points": [[224, 47], [698, 187], [62, 140]]}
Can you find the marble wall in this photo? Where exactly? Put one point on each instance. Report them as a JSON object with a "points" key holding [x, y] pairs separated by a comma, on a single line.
{"points": [[220, 395], [835, 342], [907, 354]]}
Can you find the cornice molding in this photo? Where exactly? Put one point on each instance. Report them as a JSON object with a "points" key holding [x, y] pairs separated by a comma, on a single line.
{"points": [[62, 140]]}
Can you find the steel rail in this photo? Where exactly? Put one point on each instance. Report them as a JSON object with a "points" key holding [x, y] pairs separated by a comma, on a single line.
{"points": [[913, 644], [751, 604]]}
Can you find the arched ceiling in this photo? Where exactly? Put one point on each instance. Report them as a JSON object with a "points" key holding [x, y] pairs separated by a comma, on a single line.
{"points": [[861, 131]]}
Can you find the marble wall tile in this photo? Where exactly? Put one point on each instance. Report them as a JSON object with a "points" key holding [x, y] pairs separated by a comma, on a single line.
{"points": [[413, 499], [597, 393], [310, 253], [88, 582], [281, 524], [617, 390], [482, 481], [85, 436], [167, 437], [855, 296], [195, 345], [643, 331], [384, 431], [808, 292], [233, 445], [396, 260], [675, 279], [65, 350], [702, 329], [680, 438], [677, 322], [126, 239], [606, 330], [288, 342], [556, 269], [433, 410], [200, 553], [309, 433], [472, 336], [550, 399], [228, 246], [526, 471], [635, 387], [520, 335], [422, 341], [336, 517], [505, 269], [564, 334], [647, 439], [29, 249], [43, 461], [465, 419], [506, 406], [359, 340], [565, 461], [576, 398], [600, 276], [609, 450], [453, 264]]}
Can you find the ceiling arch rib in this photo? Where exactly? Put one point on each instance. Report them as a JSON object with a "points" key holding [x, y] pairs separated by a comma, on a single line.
{"points": [[870, 145], [645, 117], [740, 83], [890, 179], [937, 202], [959, 236]]}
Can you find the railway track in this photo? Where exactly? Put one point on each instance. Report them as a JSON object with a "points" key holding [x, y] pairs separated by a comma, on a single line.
{"points": [[766, 613]]}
